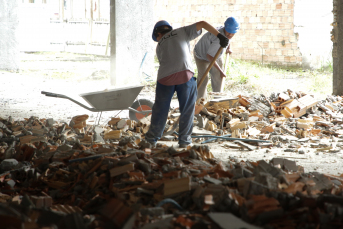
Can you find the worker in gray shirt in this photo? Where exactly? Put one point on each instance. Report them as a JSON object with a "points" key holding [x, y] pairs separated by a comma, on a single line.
{"points": [[204, 51], [175, 74]]}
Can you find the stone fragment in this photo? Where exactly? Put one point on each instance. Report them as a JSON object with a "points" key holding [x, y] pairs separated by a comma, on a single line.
{"points": [[49, 122], [8, 164]]}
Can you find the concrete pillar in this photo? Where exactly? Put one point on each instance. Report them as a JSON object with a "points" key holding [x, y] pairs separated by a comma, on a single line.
{"points": [[113, 42], [62, 10], [9, 46], [131, 28], [337, 51]]}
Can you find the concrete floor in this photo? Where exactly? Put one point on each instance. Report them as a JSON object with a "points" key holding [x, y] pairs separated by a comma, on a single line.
{"points": [[20, 97]]}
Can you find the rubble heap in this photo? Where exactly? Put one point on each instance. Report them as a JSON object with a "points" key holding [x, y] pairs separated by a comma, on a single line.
{"points": [[281, 117], [59, 175]]}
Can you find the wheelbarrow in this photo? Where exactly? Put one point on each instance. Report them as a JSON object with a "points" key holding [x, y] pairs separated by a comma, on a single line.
{"points": [[114, 99]]}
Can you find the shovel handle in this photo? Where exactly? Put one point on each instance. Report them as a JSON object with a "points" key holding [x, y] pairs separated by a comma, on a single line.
{"points": [[209, 67], [200, 82]]}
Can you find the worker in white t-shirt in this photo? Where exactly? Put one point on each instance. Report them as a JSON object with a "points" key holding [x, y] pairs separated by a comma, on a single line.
{"points": [[204, 51], [175, 73]]}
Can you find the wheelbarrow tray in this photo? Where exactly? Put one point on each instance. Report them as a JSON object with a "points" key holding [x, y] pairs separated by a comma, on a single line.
{"points": [[114, 99]]}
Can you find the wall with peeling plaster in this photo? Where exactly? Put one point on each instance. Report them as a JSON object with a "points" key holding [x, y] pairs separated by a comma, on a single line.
{"points": [[132, 28], [9, 46]]}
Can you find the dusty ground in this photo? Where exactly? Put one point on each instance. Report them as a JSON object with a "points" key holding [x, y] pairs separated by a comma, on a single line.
{"points": [[20, 97], [70, 75]]}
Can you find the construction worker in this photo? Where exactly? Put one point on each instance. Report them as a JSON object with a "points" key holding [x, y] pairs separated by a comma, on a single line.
{"points": [[205, 50], [175, 73]]}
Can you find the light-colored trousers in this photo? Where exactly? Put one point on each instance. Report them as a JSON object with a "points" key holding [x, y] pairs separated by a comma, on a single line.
{"points": [[216, 79]]}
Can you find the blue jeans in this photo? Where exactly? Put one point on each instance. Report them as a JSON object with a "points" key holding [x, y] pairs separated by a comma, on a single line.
{"points": [[186, 94]]}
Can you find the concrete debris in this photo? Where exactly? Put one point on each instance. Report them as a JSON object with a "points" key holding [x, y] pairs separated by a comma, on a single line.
{"points": [[8, 164], [278, 119], [76, 175]]}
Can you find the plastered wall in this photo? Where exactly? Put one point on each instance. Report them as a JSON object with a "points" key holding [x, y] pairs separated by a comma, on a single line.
{"points": [[9, 47], [131, 40]]}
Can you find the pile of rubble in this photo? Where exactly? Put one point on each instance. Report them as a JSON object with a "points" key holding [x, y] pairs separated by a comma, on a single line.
{"points": [[281, 118], [75, 175]]}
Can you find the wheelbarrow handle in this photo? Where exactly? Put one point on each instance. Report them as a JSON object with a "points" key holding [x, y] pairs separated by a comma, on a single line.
{"points": [[50, 94]]}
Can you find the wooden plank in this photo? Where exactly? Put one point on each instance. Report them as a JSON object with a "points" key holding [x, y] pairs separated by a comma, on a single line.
{"points": [[31, 139], [245, 145], [239, 125], [231, 145], [122, 169], [223, 103], [177, 185], [114, 134]]}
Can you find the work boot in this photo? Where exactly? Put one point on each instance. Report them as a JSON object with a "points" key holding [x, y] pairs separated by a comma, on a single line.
{"points": [[153, 144], [184, 145]]}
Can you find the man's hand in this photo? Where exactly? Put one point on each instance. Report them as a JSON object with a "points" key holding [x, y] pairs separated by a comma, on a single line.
{"points": [[223, 41]]}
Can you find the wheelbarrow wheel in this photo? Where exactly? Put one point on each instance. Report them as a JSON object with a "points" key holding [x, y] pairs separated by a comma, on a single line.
{"points": [[140, 105]]}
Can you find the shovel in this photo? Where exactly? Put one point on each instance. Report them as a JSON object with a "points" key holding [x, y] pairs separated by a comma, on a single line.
{"points": [[227, 56], [198, 109]]}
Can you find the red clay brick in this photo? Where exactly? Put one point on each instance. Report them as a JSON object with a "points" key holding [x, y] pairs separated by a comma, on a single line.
{"points": [[261, 20], [293, 59]]}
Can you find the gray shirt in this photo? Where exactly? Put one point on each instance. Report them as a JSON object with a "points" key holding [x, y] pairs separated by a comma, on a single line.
{"points": [[173, 51], [208, 44]]}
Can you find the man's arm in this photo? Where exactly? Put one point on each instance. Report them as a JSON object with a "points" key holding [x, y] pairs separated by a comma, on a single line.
{"points": [[204, 25], [208, 27], [223, 41], [210, 58]]}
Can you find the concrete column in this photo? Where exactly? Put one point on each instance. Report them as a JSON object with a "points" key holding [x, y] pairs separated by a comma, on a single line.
{"points": [[9, 46], [62, 10], [113, 42], [337, 51], [131, 27]]}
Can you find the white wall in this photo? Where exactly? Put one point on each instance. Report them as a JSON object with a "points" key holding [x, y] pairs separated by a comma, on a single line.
{"points": [[312, 19], [36, 32], [34, 28], [9, 49], [133, 28]]}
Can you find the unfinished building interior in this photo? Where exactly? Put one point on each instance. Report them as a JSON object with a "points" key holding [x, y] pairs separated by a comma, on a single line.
{"points": [[257, 160]]}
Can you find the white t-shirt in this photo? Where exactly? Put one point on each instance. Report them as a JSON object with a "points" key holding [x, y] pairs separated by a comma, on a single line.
{"points": [[208, 44], [173, 51]]}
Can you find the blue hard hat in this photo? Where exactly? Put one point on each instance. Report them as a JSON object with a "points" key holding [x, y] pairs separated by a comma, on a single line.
{"points": [[158, 24], [231, 25]]}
